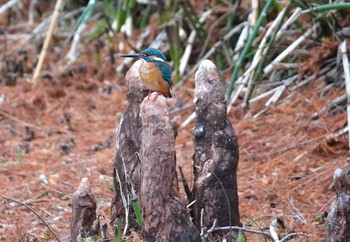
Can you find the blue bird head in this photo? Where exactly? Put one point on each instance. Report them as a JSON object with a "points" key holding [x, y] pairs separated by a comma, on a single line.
{"points": [[153, 52], [145, 54]]}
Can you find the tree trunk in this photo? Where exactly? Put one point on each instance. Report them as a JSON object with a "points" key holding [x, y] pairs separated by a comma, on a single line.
{"points": [[165, 216], [126, 173], [338, 219], [216, 154]]}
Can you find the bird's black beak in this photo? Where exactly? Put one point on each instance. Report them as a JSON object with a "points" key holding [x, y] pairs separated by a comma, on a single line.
{"points": [[136, 55]]}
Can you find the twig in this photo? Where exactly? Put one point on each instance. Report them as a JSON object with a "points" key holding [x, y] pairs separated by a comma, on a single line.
{"points": [[289, 22], [265, 234], [312, 77], [31, 11], [302, 143], [180, 109], [203, 233], [187, 53], [293, 234], [9, 116], [212, 28], [126, 206], [286, 82], [188, 120], [213, 227], [273, 226], [292, 47], [245, 230], [210, 52], [185, 183], [347, 80], [296, 211], [71, 56], [33, 211], [7, 6], [46, 42]]}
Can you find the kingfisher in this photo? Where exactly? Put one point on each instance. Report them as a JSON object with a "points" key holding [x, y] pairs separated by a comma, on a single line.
{"points": [[155, 72]]}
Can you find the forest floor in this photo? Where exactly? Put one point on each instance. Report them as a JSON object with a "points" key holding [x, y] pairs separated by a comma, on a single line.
{"points": [[63, 130], [287, 153]]}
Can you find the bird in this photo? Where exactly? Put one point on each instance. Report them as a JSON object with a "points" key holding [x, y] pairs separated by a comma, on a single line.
{"points": [[155, 72]]}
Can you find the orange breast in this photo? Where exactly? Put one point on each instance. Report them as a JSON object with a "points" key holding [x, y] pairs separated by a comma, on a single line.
{"points": [[153, 80]]}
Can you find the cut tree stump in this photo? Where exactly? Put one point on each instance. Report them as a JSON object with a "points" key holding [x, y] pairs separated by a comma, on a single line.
{"points": [[164, 215], [338, 219], [216, 154], [83, 210], [126, 173]]}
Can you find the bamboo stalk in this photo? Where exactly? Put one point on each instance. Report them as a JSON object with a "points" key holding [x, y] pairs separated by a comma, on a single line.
{"points": [[47, 42], [327, 7], [247, 48], [262, 50], [247, 77], [347, 80]]}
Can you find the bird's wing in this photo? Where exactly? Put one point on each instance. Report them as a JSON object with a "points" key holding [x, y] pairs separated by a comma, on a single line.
{"points": [[166, 71]]}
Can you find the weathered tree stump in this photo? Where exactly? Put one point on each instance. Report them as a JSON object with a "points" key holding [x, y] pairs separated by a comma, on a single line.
{"points": [[165, 216], [338, 219], [83, 210], [216, 154], [126, 174]]}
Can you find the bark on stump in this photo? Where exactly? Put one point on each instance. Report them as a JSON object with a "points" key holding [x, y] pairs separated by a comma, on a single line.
{"points": [[165, 216], [338, 219], [126, 173], [83, 209], [216, 154]]}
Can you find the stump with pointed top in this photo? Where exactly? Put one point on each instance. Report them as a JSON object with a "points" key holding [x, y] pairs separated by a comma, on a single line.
{"points": [[83, 209], [216, 153], [165, 216], [338, 219], [126, 173]]}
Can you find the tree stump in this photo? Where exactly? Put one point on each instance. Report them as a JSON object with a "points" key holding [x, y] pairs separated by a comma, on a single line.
{"points": [[216, 154], [165, 216], [126, 173], [338, 219], [83, 210]]}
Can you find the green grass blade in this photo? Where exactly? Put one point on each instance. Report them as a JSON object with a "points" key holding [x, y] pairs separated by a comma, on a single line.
{"points": [[328, 7], [86, 14], [118, 231], [137, 210]]}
